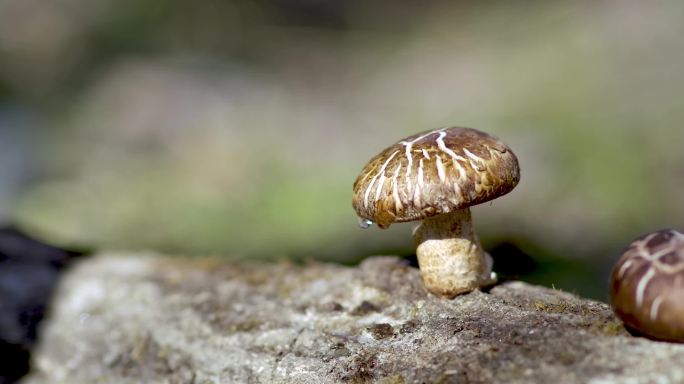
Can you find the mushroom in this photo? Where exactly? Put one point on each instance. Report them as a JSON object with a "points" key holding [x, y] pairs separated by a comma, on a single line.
{"points": [[647, 286], [435, 177]]}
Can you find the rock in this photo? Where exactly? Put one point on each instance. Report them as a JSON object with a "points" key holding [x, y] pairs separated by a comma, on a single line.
{"points": [[122, 318]]}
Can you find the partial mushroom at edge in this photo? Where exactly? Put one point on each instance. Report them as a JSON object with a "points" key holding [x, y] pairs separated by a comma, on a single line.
{"points": [[647, 285], [435, 177]]}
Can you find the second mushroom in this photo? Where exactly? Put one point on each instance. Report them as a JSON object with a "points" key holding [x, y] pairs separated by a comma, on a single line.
{"points": [[435, 177]]}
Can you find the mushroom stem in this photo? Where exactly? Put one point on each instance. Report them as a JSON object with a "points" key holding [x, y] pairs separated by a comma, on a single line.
{"points": [[450, 256]]}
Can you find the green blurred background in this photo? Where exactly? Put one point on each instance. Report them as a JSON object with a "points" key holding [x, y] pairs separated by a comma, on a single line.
{"points": [[236, 128]]}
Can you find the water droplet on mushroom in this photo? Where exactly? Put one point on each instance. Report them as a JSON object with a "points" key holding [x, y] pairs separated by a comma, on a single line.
{"points": [[364, 223]]}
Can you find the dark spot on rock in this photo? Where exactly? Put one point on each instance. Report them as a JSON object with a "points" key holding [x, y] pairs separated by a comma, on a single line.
{"points": [[339, 350], [359, 369], [515, 337], [409, 327], [381, 331], [365, 308], [453, 325], [301, 308], [566, 358], [332, 307]]}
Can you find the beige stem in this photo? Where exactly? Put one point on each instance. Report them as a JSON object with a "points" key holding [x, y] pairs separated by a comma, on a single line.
{"points": [[450, 256]]}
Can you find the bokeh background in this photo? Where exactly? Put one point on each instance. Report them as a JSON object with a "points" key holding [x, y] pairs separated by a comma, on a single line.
{"points": [[236, 128]]}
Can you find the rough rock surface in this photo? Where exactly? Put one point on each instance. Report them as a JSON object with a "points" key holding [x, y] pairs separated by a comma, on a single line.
{"points": [[133, 319]]}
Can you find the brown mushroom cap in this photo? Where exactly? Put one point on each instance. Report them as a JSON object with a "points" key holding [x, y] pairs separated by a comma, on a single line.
{"points": [[647, 285], [434, 172]]}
